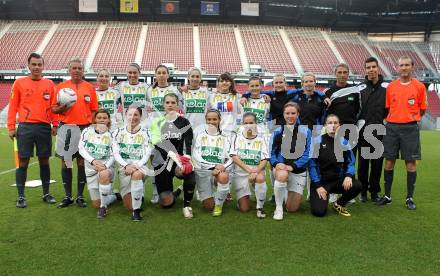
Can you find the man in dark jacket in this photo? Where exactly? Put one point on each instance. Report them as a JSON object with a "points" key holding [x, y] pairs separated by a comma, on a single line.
{"points": [[373, 92]]}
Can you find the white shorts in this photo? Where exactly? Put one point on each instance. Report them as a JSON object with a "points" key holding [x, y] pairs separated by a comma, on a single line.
{"points": [[125, 183], [296, 182], [241, 186], [205, 183], [93, 184]]}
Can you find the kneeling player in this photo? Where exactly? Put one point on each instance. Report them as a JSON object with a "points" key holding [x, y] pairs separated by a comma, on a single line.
{"points": [[250, 154], [172, 135], [330, 175], [95, 147], [132, 150], [289, 158], [211, 162]]}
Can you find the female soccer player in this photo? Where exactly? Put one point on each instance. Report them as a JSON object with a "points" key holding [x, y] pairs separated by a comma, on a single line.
{"points": [[132, 92], [290, 145], [212, 163], [132, 150], [250, 154], [227, 101], [311, 102], [157, 92], [331, 175], [195, 98], [172, 137], [257, 104], [108, 98], [95, 147]]}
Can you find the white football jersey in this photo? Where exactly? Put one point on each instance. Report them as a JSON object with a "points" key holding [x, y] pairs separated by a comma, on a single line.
{"points": [[132, 148], [250, 151], [195, 104], [229, 107], [211, 150]]}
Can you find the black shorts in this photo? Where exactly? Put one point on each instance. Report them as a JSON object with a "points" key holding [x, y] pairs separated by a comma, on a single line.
{"points": [[164, 179], [29, 135], [404, 138], [64, 144]]}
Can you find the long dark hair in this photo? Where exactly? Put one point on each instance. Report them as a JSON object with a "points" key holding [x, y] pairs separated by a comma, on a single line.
{"points": [[219, 115], [156, 83], [228, 77]]}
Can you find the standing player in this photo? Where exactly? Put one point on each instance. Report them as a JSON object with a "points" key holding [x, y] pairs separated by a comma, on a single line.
{"points": [[257, 105], [290, 146], [156, 93], [373, 93], [195, 99], [250, 154], [95, 147], [72, 121], [212, 163], [172, 137], [132, 150], [227, 101], [132, 91], [30, 98], [406, 101], [330, 175], [108, 98]]}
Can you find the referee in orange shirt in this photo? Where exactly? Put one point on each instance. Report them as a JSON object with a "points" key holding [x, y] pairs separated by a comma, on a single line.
{"points": [[71, 122], [406, 101], [30, 98]]}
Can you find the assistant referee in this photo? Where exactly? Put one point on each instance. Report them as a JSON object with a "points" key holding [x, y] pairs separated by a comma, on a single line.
{"points": [[30, 99]]}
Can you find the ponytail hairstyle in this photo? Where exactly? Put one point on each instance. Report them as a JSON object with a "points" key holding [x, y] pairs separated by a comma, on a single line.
{"points": [[219, 115], [156, 83], [228, 77]]}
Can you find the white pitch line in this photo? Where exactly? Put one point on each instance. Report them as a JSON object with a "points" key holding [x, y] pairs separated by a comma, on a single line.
{"points": [[13, 170]]}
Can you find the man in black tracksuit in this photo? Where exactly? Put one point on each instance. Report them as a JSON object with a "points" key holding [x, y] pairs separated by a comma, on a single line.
{"points": [[345, 99], [373, 93]]}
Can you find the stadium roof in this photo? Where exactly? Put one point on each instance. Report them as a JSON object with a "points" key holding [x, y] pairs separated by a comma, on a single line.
{"points": [[349, 15]]}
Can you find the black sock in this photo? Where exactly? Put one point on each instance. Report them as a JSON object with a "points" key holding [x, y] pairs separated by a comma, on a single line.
{"points": [[81, 180], [188, 190], [20, 178], [177, 192], [45, 178], [66, 175], [410, 183], [388, 177]]}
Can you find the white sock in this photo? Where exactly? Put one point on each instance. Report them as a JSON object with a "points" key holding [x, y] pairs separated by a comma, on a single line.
{"points": [[104, 193], [280, 190], [137, 192], [111, 198], [221, 193], [260, 194], [154, 189]]}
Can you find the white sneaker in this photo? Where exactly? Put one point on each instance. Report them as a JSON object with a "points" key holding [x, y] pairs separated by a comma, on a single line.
{"points": [[353, 201], [278, 214], [332, 198], [188, 212], [155, 199], [260, 213]]}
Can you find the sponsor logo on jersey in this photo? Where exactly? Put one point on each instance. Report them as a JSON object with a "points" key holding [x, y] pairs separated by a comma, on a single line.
{"points": [[138, 99], [108, 105], [259, 113], [98, 151], [195, 105], [250, 157], [212, 154], [171, 135], [131, 151], [157, 104]]}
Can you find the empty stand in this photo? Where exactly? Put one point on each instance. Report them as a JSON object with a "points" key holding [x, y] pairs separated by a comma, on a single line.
{"points": [[352, 50], [265, 47], [21, 39], [313, 51], [390, 52], [434, 104], [5, 91], [118, 47], [432, 53], [169, 43], [71, 40], [219, 52]]}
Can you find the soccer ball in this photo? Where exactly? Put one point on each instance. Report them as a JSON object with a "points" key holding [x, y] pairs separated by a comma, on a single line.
{"points": [[66, 96]]}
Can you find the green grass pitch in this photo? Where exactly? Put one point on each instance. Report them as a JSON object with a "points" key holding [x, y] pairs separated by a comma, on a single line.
{"points": [[42, 239]]}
